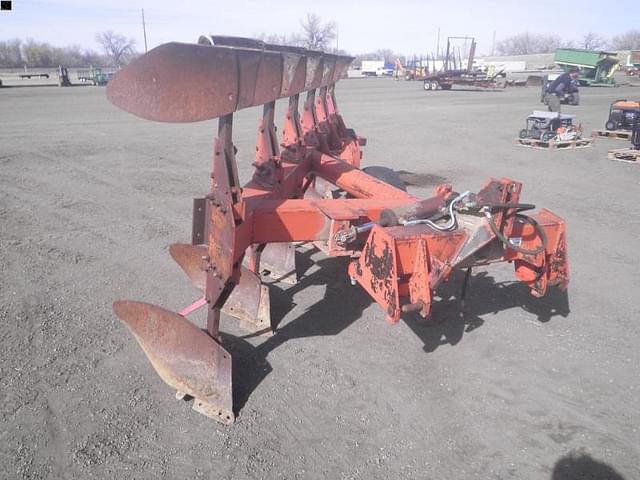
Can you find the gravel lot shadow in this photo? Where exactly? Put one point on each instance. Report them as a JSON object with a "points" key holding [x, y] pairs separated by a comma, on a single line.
{"points": [[331, 315], [327, 317], [451, 318], [580, 466]]}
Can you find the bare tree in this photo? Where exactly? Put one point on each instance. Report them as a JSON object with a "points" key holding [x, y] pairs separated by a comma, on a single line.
{"points": [[10, 54], [16, 53], [527, 43], [593, 41], [315, 34], [37, 54], [548, 43], [388, 55], [277, 39], [627, 41], [118, 48]]}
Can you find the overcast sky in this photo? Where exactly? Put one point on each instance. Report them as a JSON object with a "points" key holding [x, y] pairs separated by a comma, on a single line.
{"points": [[406, 26]]}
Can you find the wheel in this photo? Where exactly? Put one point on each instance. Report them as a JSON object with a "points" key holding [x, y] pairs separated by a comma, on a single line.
{"points": [[427, 85], [524, 133], [546, 136], [386, 175], [610, 125], [445, 86], [435, 85]]}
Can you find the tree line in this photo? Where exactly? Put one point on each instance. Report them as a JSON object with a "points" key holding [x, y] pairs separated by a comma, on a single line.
{"points": [[528, 43], [117, 50]]}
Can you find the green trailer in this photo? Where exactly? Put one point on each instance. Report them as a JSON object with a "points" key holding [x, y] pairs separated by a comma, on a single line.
{"points": [[596, 67]]}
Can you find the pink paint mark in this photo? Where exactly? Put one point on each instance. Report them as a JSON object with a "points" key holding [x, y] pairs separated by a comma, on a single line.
{"points": [[193, 307]]}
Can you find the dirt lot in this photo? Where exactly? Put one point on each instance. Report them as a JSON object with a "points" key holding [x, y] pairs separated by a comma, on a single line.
{"points": [[516, 387]]}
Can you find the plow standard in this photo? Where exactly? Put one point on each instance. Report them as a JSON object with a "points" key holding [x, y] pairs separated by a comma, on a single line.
{"points": [[307, 186]]}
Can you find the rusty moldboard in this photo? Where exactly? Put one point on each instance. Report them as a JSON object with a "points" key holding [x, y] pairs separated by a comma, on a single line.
{"points": [[249, 300], [184, 356]]}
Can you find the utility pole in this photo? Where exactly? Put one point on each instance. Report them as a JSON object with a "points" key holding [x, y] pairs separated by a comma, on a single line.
{"points": [[337, 37], [438, 44], [493, 45], [144, 31]]}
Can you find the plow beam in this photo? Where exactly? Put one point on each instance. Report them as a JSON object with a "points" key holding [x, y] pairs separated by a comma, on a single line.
{"points": [[180, 82], [353, 180]]}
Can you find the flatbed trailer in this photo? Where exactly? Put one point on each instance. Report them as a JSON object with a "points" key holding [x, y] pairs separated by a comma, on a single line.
{"points": [[33, 75], [452, 72]]}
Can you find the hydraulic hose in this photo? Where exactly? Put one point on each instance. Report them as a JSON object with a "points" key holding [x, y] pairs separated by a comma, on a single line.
{"points": [[530, 220]]}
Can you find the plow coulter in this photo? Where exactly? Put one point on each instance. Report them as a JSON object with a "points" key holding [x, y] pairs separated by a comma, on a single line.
{"points": [[307, 186]]}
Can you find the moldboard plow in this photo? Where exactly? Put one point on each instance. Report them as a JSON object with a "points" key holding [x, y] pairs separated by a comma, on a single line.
{"points": [[307, 186]]}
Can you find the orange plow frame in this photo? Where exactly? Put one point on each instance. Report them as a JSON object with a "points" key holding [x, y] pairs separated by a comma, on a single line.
{"points": [[401, 247]]}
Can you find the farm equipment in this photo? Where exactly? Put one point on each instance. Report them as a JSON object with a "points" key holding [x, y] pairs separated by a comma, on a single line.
{"points": [[622, 115], [597, 67], [547, 126], [94, 76], [401, 247], [631, 154], [63, 77], [456, 71]]}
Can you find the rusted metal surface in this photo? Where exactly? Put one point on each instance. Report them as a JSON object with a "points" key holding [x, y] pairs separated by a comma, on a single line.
{"points": [[420, 284], [248, 301], [401, 247], [280, 260], [193, 260], [376, 270], [185, 357], [179, 82], [199, 223]]}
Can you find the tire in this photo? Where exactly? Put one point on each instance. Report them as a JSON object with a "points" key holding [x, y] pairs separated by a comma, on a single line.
{"points": [[445, 86], [610, 125], [427, 85], [386, 175], [524, 133], [546, 136], [435, 86]]}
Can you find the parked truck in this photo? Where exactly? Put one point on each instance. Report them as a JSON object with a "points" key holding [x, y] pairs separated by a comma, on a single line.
{"points": [[375, 68], [633, 63]]}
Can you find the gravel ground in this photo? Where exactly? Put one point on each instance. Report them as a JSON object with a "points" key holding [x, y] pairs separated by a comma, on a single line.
{"points": [[515, 387]]}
